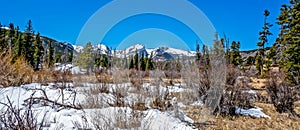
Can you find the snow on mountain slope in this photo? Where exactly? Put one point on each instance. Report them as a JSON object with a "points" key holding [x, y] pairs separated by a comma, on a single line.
{"points": [[78, 48], [138, 47], [6, 28], [160, 53], [100, 48], [179, 52]]}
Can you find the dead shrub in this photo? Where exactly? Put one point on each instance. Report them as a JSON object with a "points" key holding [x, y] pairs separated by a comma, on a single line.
{"points": [[282, 94], [62, 77], [103, 76], [231, 74], [14, 73], [45, 75], [236, 94], [94, 97], [16, 119], [119, 92], [120, 75]]}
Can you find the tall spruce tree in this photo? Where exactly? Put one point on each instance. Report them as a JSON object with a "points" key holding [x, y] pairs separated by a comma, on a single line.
{"points": [[263, 39], [50, 57], [136, 60], [11, 33], [131, 64], [38, 51], [142, 62], [17, 44], [149, 63], [28, 43]]}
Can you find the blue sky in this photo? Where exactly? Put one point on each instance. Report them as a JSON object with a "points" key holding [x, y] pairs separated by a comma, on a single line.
{"points": [[64, 19]]}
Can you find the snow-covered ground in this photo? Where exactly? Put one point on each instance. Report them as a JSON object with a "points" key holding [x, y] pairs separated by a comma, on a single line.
{"points": [[97, 112], [58, 117]]}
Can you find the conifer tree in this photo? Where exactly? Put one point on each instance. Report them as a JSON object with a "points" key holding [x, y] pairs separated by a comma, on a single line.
{"points": [[17, 44], [85, 59], [263, 39], [236, 58], [149, 63], [28, 43], [198, 55], [2, 38], [11, 33], [142, 63], [205, 58], [50, 58], [38, 51], [131, 64], [227, 51], [136, 60], [70, 56], [290, 38]]}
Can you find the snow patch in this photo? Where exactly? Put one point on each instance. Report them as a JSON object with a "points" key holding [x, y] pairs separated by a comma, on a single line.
{"points": [[255, 112]]}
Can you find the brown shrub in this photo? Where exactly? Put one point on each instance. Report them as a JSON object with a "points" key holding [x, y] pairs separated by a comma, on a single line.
{"points": [[14, 73]]}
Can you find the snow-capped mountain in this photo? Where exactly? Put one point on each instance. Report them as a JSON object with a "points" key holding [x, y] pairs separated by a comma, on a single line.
{"points": [[159, 53], [139, 48], [167, 53], [100, 48], [6, 28]]}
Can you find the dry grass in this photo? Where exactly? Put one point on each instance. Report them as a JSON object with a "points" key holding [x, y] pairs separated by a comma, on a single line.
{"points": [[278, 121], [258, 83]]}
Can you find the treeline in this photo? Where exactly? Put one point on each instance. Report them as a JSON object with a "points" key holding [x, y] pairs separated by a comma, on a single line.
{"points": [[29, 45], [91, 59]]}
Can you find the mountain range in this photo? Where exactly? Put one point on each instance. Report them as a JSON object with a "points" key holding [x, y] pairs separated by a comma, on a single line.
{"points": [[158, 54]]}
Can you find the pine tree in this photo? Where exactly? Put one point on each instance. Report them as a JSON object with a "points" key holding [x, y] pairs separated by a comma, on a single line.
{"points": [[205, 58], [131, 64], [142, 63], [38, 51], [149, 63], [263, 39], [198, 55], [2, 38], [11, 33], [104, 62], [85, 59], [136, 60], [271, 58], [28, 43], [236, 58], [50, 58], [70, 56], [17, 44], [227, 51], [290, 38]]}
